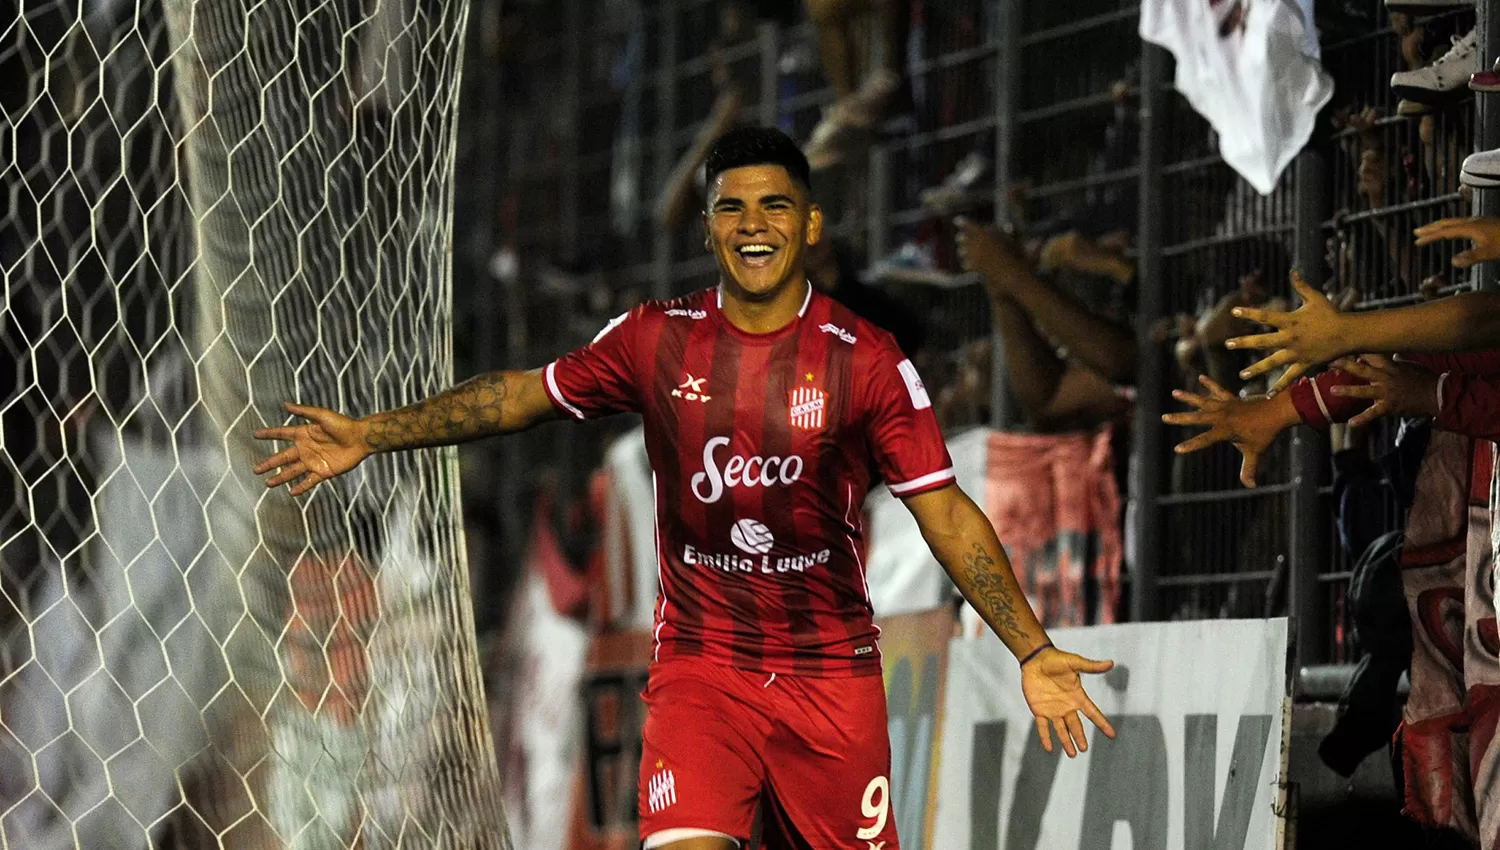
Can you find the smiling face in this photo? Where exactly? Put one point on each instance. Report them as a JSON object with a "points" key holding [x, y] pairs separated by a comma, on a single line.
{"points": [[759, 220]]}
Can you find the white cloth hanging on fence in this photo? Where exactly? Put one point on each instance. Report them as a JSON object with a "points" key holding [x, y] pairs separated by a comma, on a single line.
{"points": [[1253, 69]]}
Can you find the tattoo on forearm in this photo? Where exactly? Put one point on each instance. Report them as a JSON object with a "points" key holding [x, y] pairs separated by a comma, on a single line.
{"points": [[473, 409], [990, 595]]}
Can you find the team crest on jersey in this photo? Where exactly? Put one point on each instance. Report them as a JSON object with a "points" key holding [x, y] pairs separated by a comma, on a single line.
{"points": [[807, 405]]}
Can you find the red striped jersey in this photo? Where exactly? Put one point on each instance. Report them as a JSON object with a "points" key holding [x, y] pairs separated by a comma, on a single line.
{"points": [[762, 448]]}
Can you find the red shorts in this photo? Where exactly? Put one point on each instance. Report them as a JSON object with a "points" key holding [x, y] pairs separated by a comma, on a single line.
{"points": [[720, 741]]}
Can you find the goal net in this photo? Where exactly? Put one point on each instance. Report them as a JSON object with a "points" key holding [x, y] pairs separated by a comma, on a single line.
{"points": [[213, 207]]}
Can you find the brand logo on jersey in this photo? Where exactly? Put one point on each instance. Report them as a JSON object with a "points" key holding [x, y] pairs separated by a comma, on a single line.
{"points": [[831, 328], [740, 471], [806, 407], [752, 537], [692, 389], [661, 791], [691, 314]]}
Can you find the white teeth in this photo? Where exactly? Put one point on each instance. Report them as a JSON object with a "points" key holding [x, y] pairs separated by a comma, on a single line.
{"points": [[756, 249]]}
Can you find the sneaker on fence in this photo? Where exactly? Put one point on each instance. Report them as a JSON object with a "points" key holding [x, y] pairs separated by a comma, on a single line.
{"points": [[1482, 170], [1443, 81], [1488, 81]]}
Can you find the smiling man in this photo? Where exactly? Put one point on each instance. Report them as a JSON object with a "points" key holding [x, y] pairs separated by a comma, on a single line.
{"points": [[768, 408]]}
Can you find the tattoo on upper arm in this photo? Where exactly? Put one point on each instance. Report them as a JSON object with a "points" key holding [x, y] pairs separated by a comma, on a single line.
{"points": [[991, 596], [474, 408]]}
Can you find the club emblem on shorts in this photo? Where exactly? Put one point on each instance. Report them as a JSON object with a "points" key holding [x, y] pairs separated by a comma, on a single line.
{"points": [[661, 791], [807, 404], [692, 389]]}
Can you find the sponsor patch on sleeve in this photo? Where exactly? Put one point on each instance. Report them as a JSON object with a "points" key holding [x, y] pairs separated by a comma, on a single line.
{"points": [[919, 399]]}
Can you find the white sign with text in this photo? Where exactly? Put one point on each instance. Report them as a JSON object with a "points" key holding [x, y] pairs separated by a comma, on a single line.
{"points": [[1196, 764]]}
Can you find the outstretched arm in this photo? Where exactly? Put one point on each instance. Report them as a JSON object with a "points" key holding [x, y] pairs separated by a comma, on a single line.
{"points": [[1032, 365], [1356, 392], [1100, 344], [964, 542], [1249, 424], [483, 406], [1317, 333], [331, 443]]}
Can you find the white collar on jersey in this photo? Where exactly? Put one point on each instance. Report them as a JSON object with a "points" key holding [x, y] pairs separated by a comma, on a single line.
{"points": [[719, 293]]}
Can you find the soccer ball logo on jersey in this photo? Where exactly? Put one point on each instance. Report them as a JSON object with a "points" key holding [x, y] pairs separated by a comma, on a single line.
{"points": [[752, 537], [805, 407]]}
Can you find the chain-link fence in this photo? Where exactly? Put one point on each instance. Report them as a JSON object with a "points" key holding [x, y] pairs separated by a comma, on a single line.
{"points": [[214, 208]]}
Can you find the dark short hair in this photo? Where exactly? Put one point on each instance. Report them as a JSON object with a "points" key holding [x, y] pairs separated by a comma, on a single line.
{"points": [[757, 146]]}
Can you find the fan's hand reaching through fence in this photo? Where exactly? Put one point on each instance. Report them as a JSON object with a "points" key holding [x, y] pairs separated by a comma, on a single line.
{"points": [[329, 445], [1483, 232], [1249, 424], [1394, 388], [1312, 334]]}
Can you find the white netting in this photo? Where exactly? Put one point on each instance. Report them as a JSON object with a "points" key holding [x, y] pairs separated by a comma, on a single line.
{"points": [[215, 206]]}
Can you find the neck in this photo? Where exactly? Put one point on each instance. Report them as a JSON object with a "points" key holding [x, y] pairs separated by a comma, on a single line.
{"points": [[763, 315]]}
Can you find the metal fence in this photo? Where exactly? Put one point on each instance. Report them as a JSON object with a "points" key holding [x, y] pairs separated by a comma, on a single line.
{"points": [[1072, 116]]}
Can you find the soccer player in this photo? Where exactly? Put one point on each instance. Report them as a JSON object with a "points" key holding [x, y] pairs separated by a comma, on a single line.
{"points": [[769, 409]]}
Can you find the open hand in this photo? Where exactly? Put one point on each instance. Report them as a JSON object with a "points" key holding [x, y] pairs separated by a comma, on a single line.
{"points": [[1054, 691], [1305, 337], [1395, 388], [1483, 232], [330, 445], [1248, 424]]}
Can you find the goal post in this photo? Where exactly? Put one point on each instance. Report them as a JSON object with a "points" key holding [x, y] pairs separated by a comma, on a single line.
{"points": [[219, 206]]}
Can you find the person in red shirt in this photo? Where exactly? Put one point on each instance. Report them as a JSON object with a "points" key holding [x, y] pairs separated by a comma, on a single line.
{"points": [[770, 409]]}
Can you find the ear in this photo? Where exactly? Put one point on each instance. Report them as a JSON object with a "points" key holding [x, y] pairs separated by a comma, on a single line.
{"points": [[814, 224], [708, 235]]}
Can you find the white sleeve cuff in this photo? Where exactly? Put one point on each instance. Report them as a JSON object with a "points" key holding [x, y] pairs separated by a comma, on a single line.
{"points": [[555, 393], [1322, 406], [918, 483]]}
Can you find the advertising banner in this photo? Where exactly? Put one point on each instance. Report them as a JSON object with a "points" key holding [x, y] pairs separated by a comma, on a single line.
{"points": [[1198, 707]]}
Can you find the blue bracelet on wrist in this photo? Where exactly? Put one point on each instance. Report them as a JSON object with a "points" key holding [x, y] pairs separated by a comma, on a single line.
{"points": [[1035, 652]]}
